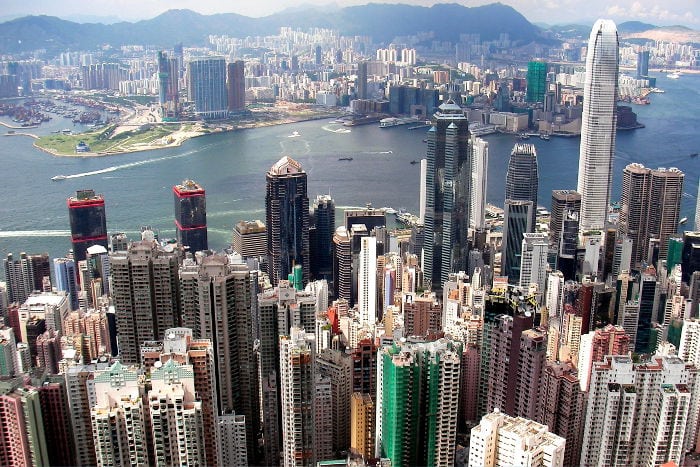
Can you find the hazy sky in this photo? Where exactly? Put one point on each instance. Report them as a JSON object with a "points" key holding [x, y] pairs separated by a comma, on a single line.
{"points": [[660, 12]]}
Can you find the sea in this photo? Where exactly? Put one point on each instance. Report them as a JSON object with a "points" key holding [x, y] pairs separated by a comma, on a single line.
{"points": [[231, 167]]}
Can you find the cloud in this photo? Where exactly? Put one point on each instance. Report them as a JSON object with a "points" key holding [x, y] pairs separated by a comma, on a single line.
{"points": [[652, 12]]}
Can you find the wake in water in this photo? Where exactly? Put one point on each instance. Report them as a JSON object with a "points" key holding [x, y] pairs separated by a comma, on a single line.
{"points": [[114, 168], [336, 130], [380, 152], [34, 233]]}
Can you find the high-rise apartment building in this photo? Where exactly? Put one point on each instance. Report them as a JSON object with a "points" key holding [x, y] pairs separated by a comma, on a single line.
{"points": [[479, 170], [536, 81], [640, 414], [297, 381], [418, 402], [22, 441], [610, 340], [566, 204], [88, 222], [342, 264], [191, 215], [689, 349], [522, 176], [337, 367], [235, 85], [67, 279], [56, 418], [598, 126], [517, 221], [19, 278], [81, 394], [447, 202], [362, 432], [287, 220], [501, 440], [367, 281], [232, 440], [146, 294], [533, 261], [649, 208], [422, 314], [206, 87]]}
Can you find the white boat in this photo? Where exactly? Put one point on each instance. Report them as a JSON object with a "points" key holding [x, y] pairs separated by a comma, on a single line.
{"points": [[388, 210], [294, 134], [674, 75], [59, 177]]}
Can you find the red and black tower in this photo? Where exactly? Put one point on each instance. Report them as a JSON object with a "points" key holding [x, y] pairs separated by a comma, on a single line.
{"points": [[191, 215], [88, 222]]}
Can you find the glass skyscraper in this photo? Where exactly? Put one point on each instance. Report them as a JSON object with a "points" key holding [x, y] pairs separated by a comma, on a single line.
{"points": [[206, 87], [536, 81], [598, 125]]}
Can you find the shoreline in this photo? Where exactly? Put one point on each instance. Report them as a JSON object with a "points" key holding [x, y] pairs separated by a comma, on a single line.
{"points": [[179, 141]]}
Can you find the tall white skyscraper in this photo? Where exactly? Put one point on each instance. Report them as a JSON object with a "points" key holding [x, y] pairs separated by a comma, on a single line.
{"points": [[598, 125], [480, 164], [367, 281], [533, 261]]}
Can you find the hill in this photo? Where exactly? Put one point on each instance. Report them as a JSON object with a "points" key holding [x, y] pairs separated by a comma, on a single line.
{"points": [[446, 21]]}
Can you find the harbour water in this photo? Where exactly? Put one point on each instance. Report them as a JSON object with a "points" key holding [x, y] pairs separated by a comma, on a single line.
{"points": [[231, 167]]}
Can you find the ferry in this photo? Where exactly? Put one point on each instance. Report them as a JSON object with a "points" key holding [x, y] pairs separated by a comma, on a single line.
{"points": [[59, 177], [674, 75], [394, 121], [544, 137]]}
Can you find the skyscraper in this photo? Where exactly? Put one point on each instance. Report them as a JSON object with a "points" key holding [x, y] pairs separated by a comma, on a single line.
{"points": [[522, 177], [566, 204], [321, 237], [362, 80], [533, 261], [168, 86], [598, 126], [479, 178], [235, 85], [191, 215], [367, 281], [206, 86], [447, 204], [146, 293], [517, 221], [287, 211], [642, 63], [536, 81], [249, 239], [88, 222], [67, 279]]}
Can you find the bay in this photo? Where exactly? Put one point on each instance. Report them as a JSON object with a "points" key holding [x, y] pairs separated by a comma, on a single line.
{"points": [[231, 167]]}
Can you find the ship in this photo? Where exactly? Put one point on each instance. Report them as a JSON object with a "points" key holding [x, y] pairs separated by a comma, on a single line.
{"points": [[394, 121], [59, 177], [345, 158], [544, 137], [695, 154], [674, 75], [414, 162]]}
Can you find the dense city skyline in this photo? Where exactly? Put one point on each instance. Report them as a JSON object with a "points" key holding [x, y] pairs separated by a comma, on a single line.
{"points": [[673, 12]]}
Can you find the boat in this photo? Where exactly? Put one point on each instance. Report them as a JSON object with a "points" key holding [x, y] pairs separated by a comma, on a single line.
{"points": [[523, 136], [683, 221], [294, 134], [544, 137], [695, 154], [345, 158], [59, 177], [674, 75], [414, 162], [388, 210]]}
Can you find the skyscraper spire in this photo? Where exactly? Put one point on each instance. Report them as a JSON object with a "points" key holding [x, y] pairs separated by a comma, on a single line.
{"points": [[598, 125]]}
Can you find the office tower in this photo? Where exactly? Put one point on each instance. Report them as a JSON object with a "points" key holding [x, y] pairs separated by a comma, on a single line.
{"points": [[423, 191], [691, 255], [297, 390], [177, 429], [622, 255], [118, 417], [368, 216], [536, 81], [56, 419], [66, 279], [362, 426], [640, 414], [235, 86], [337, 367], [361, 80], [22, 441], [599, 122], [642, 63], [191, 215], [447, 206], [479, 177], [566, 204], [502, 440], [146, 294], [321, 237], [422, 315], [522, 179], [249, 239], [287, 220], [647, 298], [517, 221], [168, 86], [206, 87], [88, 222], [649, 208], [533, 261], [561, 407], [418, 402], [367, 285], [227, 294]]}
